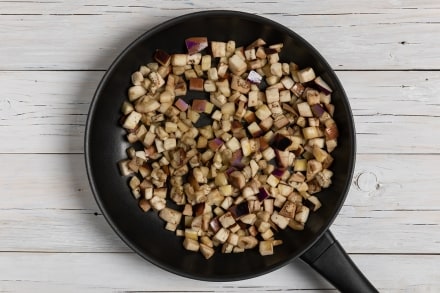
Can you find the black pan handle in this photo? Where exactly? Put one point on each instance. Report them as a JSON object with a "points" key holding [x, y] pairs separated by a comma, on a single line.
{"points": [[328, 258]]}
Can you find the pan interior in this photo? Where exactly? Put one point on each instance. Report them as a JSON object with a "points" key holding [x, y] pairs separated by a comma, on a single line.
{"points": [[105, 145]]}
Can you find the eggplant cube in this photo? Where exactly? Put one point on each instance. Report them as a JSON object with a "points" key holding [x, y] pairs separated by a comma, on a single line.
{"points": [[227, 220], [247, 242], [136, 92], [218, 49], [302, 214], [191, 244], [254, 129], [221, 235], [304, 110], [280, 220], [237, 65], [170, 216], [288, 210], [233, 144], [313, 97], [269, 154], [253, 99], [306, 75], [263, 112], [206, 250], [266, 247], [240, 84], [272, 180], [132, 120], [272, 95]]}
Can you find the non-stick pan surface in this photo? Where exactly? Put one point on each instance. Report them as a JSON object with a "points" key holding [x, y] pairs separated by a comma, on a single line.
{"points": [[105, 145]]}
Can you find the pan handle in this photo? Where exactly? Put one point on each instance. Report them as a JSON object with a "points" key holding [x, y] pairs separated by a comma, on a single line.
{"points": [[328, 258]]}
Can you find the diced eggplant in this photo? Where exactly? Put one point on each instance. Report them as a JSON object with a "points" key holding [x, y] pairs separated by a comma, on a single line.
{"points": [[255, 130], [247, 242], [240, 84], [144, 205], [171, 216], [237, 179], [254, 77], [272, 180], [280, 142], [206, 250], [215, 224], [313, 203], [317, 110], [280, 220], [232, 189], [302, 214], [196, 44], [132, 120], [221, 235], [297, 89], [239, 210], [196, 84], [263, 194], [226, 220], [218, 49], [304, 109], [288, 210], [257, 43], [162, 57], [237, 65], [306, 75], [311, 132], [295, 225], [313, 168], [191, 244], [136, 92], [263, 112], [331, 132], [266, 247], [285, 189], [313, 97], [269, 154], [322, 85]]}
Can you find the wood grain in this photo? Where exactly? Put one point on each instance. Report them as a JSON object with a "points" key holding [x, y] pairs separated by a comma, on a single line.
{"points": [[371, 36], [127, 272], [52, 57], [48, 115]]}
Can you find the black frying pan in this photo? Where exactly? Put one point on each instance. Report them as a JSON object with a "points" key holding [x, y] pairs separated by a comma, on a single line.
{"points": [[105, 145]]}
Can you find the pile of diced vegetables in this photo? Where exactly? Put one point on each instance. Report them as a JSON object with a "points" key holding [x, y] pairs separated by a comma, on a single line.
{"points": [[253, 169]]}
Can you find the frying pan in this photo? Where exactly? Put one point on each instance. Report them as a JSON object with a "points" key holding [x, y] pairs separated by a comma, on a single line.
{"points": [[105, 145]]}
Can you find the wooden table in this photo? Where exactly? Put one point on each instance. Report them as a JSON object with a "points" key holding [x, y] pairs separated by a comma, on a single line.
{"points": [[52, 56]]}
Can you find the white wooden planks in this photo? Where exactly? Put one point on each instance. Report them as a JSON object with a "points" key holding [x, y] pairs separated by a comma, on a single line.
{"points": [[91, 272], [383, 35], [52, 56]]}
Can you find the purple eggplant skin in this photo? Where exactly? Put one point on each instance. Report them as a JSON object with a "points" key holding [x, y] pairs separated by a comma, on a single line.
{"points": [[281, 142], [215, 224], [239, 210], [162, 57], [196, 44], [263, 194], [254, 77], [317, 110], [236, 160], [321, 85], [278, 173]]}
